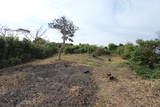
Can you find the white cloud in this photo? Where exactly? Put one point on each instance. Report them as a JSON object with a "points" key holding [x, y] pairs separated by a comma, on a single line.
{"points": [[100, 21]]}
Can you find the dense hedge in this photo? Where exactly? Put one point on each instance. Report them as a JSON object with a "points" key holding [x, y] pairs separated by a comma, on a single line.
{"points": [[13, 51]]}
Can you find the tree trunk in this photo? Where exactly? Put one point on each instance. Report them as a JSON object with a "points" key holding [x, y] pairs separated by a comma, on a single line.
{"points": [[61, 49]]}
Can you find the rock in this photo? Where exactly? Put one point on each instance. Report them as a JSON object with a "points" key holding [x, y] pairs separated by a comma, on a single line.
{"points": [[86, 72]]}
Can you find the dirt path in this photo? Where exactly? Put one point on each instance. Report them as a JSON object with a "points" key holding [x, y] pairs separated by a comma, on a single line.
{"points": [[127, 90], [48, 83]]}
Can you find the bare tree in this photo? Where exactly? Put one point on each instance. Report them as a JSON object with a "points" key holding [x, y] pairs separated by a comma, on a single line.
{"points": [[66, 28], [31, 35], [4, 30], [158, 34], [40, 32]]}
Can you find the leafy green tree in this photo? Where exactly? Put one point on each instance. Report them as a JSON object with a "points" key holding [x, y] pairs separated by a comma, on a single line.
{"points": [[112, 47], [66, 28], [146, 53]]}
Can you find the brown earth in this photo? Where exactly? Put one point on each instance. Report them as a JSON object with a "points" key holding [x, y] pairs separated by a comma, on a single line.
{"points": [[51, 83]]}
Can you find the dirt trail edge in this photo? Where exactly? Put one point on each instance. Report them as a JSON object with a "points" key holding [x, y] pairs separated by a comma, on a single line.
{"points": [[61, 84]]}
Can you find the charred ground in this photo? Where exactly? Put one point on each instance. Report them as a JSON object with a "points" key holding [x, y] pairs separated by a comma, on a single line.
{"points": [[60, 84]]}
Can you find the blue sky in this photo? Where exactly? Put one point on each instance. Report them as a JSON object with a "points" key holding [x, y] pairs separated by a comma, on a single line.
{"points": [[100, 21]]}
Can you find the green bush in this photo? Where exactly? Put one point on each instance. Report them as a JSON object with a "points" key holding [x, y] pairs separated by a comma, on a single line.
{"points": [[86, 48], [126, 50], [100, 51], [71, 49], [14, 61]]}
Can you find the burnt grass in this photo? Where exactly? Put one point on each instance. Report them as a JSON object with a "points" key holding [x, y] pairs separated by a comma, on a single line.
{"points": [[61, 84]]}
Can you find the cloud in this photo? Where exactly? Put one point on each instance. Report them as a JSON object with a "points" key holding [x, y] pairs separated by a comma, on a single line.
{"points": [[100, 21]]}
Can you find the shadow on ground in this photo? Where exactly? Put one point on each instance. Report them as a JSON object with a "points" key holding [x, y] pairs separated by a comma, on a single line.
{"points": [[62, 84]]}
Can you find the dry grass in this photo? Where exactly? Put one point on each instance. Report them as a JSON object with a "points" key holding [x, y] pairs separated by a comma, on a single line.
{"points": [[128, 90], [12, 81], [51, 84]]}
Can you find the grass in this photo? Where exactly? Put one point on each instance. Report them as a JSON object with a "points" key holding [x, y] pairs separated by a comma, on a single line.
{"points": [[145, 72], [101, 62]]}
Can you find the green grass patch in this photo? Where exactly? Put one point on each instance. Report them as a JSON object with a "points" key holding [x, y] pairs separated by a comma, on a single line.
{"points": [[145, 72]]}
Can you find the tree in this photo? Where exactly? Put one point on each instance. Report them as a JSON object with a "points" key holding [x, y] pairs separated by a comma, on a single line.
{"points": [[4, 31], [112, 46], [24, 32], [147, 53], [66, 28]]}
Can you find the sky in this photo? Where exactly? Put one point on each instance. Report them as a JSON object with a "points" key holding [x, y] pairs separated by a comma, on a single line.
{"points": [[100, 21]]}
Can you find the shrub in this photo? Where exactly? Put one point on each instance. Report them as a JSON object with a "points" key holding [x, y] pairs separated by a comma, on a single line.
{"points": [[126, 50], [14, 61], [71, 50], [99, 52]]}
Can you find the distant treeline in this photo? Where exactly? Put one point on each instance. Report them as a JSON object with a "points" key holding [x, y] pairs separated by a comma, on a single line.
{"points": [[144, 57], [86, 48], [14, 51]]}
